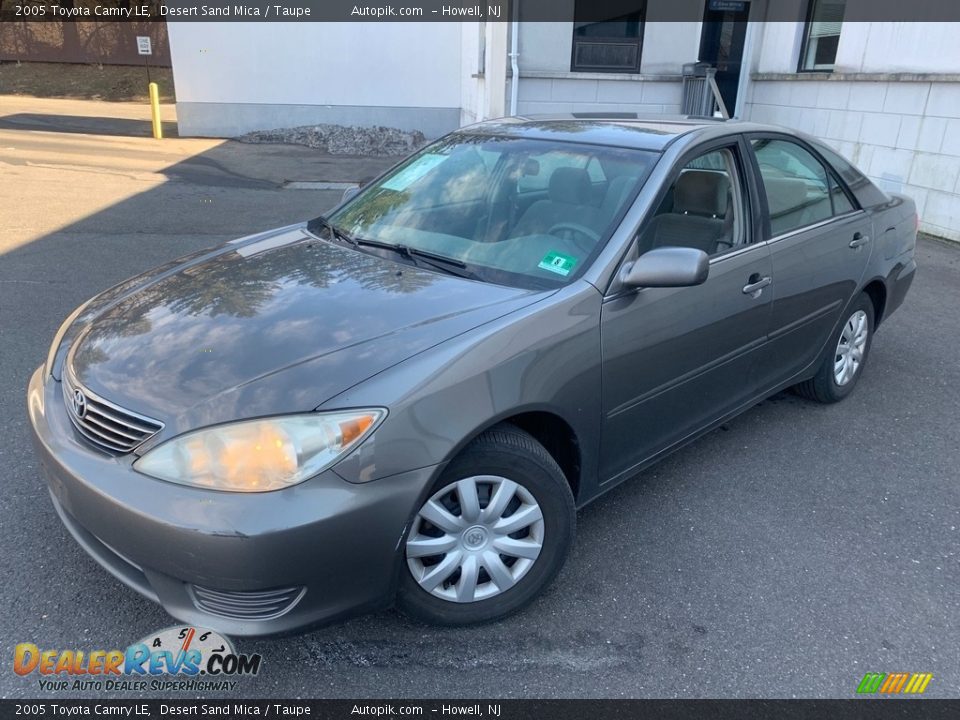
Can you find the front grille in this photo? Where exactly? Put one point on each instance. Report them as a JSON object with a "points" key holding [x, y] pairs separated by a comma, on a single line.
{"points": [[247, 605], [104, 424]]}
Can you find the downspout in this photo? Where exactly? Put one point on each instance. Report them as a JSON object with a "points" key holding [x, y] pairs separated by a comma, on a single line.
{"points": [[514, 55], [746, 68]]}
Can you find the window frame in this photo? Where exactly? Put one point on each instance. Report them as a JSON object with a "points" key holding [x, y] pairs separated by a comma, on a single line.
{"points": [[831, 173], [753, 227], [637, 42], [833, 180], [805, 42], [859, 188], [737, 176]]}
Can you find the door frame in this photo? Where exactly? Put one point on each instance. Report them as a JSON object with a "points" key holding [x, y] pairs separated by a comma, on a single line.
{"points": [[748, 137], [746, 11]]}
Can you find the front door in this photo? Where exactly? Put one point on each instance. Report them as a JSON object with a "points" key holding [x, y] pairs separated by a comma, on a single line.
{"points": [[676, 359], [721, 44]]}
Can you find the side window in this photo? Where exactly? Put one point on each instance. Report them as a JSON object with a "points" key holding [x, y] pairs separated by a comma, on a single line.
{"points": [[848, 172], [864, 191], [703, 209], [841, 203], [796, 185]]}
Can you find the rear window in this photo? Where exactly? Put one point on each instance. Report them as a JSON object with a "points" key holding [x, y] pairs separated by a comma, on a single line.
{"points": [[866, 193]]}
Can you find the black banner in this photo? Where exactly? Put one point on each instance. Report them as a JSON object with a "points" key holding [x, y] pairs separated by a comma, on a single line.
{"points": [[452, 10], [885, 709]]}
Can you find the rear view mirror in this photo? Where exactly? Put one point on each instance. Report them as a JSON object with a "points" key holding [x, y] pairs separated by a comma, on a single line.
{"points": [[667, 267], [349, 193]]}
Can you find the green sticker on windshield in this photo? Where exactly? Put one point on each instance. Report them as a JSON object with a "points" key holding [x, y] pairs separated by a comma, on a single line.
{"points": [[557, 263]]}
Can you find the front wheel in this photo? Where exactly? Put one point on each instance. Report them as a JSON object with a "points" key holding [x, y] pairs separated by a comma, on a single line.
{"points": [[842, 368], [491, 536]]}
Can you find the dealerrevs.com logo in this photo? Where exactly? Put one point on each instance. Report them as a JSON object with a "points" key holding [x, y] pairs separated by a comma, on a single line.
{"points": [[894, 683], [177, 658]]}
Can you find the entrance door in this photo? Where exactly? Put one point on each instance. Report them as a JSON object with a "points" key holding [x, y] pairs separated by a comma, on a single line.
{"points": [[721, 44]]}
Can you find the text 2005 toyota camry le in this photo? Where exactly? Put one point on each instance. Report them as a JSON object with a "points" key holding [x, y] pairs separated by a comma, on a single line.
{"points": [[408, 399]]}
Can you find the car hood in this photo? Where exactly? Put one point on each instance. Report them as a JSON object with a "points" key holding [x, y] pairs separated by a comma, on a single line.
{"points": [[274, 323]]}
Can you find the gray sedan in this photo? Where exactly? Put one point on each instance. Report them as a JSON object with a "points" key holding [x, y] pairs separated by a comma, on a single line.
{"points": [[409, 398]]}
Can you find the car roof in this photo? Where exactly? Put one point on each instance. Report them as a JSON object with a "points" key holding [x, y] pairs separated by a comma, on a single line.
{"points": [[616, 129]]}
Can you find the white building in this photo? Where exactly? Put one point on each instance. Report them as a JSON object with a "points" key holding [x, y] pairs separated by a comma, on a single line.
{"points": [[885, 94]]}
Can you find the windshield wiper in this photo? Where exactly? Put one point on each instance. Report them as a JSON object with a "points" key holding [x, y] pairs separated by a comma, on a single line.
{"points": [[445, 264], [449, 265], [336, 232]]}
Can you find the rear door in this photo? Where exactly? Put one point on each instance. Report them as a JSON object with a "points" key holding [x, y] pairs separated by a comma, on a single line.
{"points": [[676, 359], [820, 243]]}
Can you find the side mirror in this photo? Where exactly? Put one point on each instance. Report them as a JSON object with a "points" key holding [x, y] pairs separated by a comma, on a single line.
{"points": [[667, 267], [349, 193]]}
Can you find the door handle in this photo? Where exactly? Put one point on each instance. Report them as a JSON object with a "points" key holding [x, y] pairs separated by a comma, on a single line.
{"points": [[756, 284], [859, 239]]}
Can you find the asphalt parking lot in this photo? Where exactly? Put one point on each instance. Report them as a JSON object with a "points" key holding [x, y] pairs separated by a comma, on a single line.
{"points": [[784, 555]]}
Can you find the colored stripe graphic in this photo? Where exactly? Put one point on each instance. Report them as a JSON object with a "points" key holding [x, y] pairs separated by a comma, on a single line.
{"points": [[894, 683], [918, 683], [871, 682]]}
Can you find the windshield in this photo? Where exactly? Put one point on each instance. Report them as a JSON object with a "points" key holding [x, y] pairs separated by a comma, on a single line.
{"points": [[513, 211]]}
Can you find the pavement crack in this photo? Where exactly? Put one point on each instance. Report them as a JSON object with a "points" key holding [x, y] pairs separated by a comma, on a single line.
{"points": [[151, 176], [33, 282]]}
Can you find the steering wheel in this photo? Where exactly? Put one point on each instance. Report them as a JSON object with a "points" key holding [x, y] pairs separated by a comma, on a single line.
{"points": [[566, 229]]}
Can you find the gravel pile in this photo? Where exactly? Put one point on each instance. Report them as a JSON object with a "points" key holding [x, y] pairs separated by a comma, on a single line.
{"points": [[342, 140]]}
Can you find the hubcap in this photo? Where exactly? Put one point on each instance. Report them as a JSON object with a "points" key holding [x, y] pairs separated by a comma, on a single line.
{"points": [[850, 348], [475, 539]]}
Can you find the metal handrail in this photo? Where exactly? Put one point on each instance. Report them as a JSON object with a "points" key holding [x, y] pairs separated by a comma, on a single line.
{"points": [[701, 95]]}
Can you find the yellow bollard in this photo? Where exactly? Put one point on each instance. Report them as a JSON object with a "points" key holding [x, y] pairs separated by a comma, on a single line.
{"points": [[155, 110]]}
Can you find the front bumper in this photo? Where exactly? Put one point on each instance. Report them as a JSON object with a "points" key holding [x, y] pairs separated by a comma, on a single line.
{"points": [[274, 562]]}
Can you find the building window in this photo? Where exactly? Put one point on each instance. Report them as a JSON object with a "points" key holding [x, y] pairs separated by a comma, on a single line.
{"points": [[821, 36], [609, 44]]}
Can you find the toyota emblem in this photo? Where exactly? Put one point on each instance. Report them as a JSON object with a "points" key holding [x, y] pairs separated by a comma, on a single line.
{"points": [[79, 404]]}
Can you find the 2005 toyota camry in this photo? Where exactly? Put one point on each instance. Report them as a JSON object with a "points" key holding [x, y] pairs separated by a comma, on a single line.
{"points": [[408, 398]]}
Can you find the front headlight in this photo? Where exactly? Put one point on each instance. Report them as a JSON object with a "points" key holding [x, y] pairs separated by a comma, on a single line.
{"points": [[260, 455]]}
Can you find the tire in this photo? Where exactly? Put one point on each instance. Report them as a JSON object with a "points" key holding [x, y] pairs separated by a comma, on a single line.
{"points": [[831, 384], [509, 476]]}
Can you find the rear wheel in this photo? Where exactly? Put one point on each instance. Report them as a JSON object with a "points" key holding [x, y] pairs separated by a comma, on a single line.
{"points": [[841, 369], [491, 536]]}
